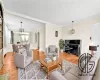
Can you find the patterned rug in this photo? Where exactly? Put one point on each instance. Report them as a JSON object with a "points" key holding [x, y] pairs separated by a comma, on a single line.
{"points": [[33, 72]]}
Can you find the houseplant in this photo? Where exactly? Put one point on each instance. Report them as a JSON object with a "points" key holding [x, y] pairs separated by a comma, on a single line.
{"points": [[61, 45]]}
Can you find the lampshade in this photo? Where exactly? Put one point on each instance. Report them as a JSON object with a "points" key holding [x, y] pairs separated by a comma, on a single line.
{"points": [[73, 31], [93, 48]]}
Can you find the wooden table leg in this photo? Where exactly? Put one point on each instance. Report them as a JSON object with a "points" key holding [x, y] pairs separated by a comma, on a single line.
{"points": [[61, 65], [47, 73], [41, 66]]}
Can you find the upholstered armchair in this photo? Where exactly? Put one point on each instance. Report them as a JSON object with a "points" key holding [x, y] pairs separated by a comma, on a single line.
{"points": [[15, 48], [23, 58], [52, 51]]}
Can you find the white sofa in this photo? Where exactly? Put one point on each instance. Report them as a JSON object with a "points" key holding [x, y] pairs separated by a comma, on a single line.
{"points": [[74, 72]]}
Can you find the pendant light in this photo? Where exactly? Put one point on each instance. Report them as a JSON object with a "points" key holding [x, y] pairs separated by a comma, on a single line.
{"points": [[21, 29], [72, 30]]}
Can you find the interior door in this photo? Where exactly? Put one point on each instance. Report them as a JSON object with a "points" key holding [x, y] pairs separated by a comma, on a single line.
{"points": [[96, 36]]}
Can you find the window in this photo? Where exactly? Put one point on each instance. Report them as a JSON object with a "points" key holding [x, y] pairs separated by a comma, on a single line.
{"points": [[24, 36]]}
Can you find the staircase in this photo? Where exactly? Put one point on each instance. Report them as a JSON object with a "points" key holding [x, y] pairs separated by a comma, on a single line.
{"points": [[1, 59]]}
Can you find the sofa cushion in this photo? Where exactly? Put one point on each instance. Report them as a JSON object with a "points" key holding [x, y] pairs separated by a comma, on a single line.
{"points": [[75, 71], [52, 49], [97, 72], [70, 76], [29, 53], [28, 60], [55, 75], [67, 66]]}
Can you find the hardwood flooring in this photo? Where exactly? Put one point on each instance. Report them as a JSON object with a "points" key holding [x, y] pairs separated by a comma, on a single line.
{"points": [[70, 57], [9, 67]]}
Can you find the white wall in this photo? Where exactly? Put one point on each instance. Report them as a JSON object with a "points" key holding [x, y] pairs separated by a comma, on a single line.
{"points": [[50, 38], [7, 36], [34, 44], [42, 38], [16, 38], [96, 36], [83, 31], [7, 39]]}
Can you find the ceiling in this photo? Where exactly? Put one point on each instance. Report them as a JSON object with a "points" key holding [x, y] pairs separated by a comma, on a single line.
{"points": [[13, 23], [60, 12]]}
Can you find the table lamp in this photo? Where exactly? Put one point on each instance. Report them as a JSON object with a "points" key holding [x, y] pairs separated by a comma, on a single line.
{"points": [[92, 48]]}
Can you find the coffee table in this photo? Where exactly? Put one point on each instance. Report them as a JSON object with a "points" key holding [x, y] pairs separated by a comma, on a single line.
{"points": [[51, 66]]}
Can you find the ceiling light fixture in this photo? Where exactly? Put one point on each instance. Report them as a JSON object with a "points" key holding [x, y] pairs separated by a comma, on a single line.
{"points": [[72, 30], [21, 29]]}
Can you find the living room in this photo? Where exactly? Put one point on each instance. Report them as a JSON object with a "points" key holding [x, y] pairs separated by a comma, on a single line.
{"points": [[42, 30]]}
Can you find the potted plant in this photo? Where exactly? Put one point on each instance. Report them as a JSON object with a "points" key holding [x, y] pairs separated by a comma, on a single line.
{"points": [[61, 45]]}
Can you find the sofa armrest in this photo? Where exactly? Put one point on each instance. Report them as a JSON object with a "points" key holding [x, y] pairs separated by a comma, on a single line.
{"points": [[56, 76], [19, 60]]}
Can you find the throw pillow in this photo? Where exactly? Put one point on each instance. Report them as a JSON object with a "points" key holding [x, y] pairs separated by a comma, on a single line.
{"points": [[27, 46], [23, 51]]}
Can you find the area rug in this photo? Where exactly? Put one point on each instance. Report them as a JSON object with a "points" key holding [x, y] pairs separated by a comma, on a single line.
{"points": [[33, 72]]}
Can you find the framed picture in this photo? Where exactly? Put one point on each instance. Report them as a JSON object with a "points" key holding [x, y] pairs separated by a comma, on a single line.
{"points": [[56, 33]]}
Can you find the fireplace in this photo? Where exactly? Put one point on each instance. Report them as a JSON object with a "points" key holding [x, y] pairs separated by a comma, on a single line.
{"points": [[72, 47]]}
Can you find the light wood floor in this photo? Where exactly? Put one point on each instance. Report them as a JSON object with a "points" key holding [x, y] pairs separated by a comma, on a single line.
{"points": [[70, 57], [10, 67]]}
